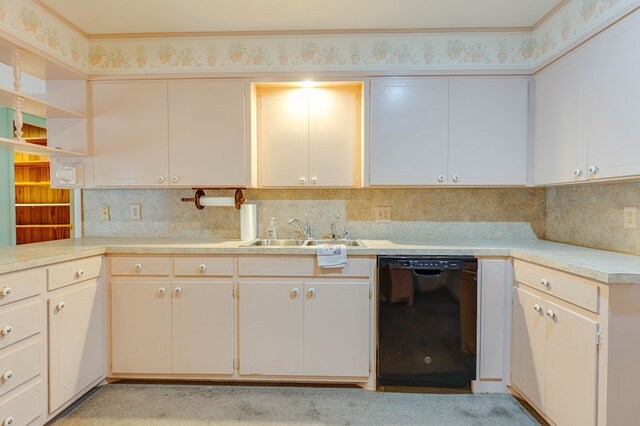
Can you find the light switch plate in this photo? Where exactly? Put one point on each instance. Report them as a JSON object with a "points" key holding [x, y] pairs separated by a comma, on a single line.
{"points": [[631, 217], [383, 214], [136, 211], [104, 213]]}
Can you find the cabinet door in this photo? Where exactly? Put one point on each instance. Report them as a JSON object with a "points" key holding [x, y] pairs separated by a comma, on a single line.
{"points": [[336, 329], [140, 327], [528, 346], [571, 367], [560, 145], [207, 144], [409, 131], [614, 56], [130, 136], [284, 138], [488, 131], [77, 342], [271, 327], [202, 325], [333, 133]]}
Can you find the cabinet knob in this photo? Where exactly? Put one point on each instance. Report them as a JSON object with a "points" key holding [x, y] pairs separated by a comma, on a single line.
{"points": [[593, 170], [178, 290], [6, 291], [138, 267], [60, 306], [311, 291], [302, 181], [577, 172], [202, 267], [314, 180], [295, 291], [550, 313], [455, 178], [544, 282], [441, 178], [7, 375], [161, 290], [174, 179], [536, 307], [160, 179], [80, 273], [7, 330], [8, 421]]}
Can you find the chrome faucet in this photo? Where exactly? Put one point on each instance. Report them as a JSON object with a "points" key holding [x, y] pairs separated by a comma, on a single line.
{"points": [[305, 226], [334, 234]]}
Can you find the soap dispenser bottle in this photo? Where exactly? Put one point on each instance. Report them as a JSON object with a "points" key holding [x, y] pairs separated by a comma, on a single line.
{"points": [[272, 231]]}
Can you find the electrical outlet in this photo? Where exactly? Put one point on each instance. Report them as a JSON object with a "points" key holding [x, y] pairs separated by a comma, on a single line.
{"points": [[631, 217], [383, 214], [104, 213], [136, 213]]}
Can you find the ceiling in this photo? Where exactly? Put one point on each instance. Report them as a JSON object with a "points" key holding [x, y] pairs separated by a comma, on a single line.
{"points": [[158, 16]]}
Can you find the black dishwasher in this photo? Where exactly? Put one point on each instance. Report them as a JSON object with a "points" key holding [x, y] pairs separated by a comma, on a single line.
{"points": [[427, 316]]}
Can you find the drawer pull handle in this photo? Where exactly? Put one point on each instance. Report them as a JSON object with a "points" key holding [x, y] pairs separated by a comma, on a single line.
{"points": [[160, 179], [60, 306], [544, 282], [7, 375], [161, 290], [455, 178], [6, 291], [8, 421], [295, 291], [441, 178], [537, 307], [550, 314], [202, 267], [80, 273], [311, 291], [7, 330], [138, 267], [178, 290]]}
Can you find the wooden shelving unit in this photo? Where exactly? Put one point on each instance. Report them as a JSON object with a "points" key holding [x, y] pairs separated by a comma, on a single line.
{"points": [[42, 213]]}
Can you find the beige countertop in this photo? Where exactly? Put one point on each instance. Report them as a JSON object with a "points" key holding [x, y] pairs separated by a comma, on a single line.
{"points": [[604, 266]]}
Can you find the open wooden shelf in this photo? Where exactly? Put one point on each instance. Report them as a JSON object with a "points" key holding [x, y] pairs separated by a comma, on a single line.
{"points": [[36, 106], [33, 183], [31, 148], [59, 225], [31, 164], [43, 205]]}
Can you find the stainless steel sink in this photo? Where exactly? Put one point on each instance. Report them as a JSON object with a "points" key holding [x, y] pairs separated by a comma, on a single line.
{"points": [[274, 243], [348, 243]]}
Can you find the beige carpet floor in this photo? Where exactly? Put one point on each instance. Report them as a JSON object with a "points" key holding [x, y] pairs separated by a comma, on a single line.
{"points": [[189, 404]]}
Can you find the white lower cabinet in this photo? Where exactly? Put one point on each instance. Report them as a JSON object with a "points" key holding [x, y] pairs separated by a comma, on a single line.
{"points": [[314, 328], [164, 327], [77, 344], [555, 358]]}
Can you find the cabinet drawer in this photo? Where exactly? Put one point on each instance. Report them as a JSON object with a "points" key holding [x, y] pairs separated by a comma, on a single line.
{"points": [[20, 285], [23, 405], [356, 267], [19, 363], [570, 288], [76, 271], [204, 267], [143, 266], [19, 324], [276, 266]]}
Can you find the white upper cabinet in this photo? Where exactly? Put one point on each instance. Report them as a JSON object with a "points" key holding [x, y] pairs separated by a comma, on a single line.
{"points": [[409, 131], [457, 131], [560, 150], [614, 132], [207, 143], [488, 130], [309, 136], [130, 135], [182, 133]]}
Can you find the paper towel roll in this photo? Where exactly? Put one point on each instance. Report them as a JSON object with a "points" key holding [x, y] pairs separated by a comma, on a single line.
{"points": [[218, 201], [248, 222]]}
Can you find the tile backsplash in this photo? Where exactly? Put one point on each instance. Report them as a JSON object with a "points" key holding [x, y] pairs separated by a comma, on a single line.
{"points": [[591, 215], [415, 213]]}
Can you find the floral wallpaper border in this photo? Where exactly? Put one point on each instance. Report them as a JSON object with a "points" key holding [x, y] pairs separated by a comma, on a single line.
{"points": [[362, 52]]}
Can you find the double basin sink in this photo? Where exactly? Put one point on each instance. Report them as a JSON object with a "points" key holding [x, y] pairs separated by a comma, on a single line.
{"points": [[301, 243]]}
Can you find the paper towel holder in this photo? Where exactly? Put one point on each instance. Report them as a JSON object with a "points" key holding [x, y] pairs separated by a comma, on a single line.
{"points": [[239, 197]]}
